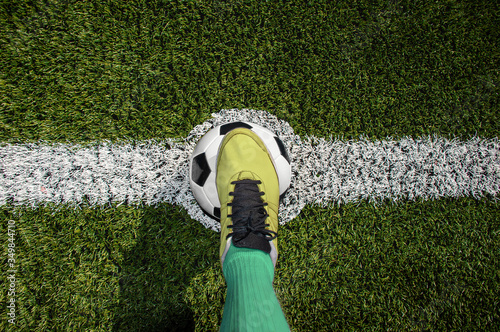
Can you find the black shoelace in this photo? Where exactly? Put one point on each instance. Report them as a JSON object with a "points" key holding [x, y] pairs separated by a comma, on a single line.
{"points": [[249, 215]]}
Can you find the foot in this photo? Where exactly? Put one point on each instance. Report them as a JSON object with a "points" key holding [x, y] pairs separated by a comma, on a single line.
{"points": [[248, 189]]}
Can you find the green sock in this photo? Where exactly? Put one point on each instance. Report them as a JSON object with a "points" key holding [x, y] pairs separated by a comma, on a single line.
{"points": [[251, 303]]}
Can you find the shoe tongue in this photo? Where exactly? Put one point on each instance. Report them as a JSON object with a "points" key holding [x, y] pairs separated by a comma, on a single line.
{"points": [[252, 241], [245, 195]]}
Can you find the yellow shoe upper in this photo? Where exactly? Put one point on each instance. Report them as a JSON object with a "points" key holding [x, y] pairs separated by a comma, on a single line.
{"points": [[243, 156]]}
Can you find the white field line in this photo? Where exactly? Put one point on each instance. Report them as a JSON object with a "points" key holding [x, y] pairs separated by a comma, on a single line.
{"points": [[324, 171]]}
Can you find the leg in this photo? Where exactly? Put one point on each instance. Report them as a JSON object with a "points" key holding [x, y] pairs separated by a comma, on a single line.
{"points": [[251, 304], [248, 190]]}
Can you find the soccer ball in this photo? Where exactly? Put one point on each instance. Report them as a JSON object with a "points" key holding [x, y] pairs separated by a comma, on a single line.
{"points": [[203, 162]]}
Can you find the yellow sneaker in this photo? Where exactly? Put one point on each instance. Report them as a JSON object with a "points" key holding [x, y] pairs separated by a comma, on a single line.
{"points": [[248, 189]]}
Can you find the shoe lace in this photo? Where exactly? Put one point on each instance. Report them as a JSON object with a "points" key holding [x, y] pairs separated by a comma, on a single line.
{"points": [[249, 214]]}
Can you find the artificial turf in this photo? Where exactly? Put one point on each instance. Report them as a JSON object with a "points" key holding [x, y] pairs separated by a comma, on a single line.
{"points": [[86, 71]]}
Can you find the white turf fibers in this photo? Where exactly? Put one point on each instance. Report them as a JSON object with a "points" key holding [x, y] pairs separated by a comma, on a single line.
{"points": [[324, 171]]}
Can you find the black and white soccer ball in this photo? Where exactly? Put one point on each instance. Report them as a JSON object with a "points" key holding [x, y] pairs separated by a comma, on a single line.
{"points": [[203, 162]]}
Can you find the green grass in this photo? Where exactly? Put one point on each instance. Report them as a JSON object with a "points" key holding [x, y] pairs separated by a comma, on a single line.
{"points": [[113, 70]]}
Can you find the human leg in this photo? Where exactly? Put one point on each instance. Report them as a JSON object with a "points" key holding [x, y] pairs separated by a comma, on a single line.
{"points": [[248, 189]]}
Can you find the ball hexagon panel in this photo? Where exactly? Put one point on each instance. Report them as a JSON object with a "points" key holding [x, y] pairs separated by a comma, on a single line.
{"points": [[201, 198], [200, 169], [212, 152], [285, 177], [225, 128], [282, 148], [206, 141], [210, 188]]}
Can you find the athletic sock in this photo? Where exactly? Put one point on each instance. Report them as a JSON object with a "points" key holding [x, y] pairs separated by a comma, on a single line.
{"points": [[251, 303]]}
